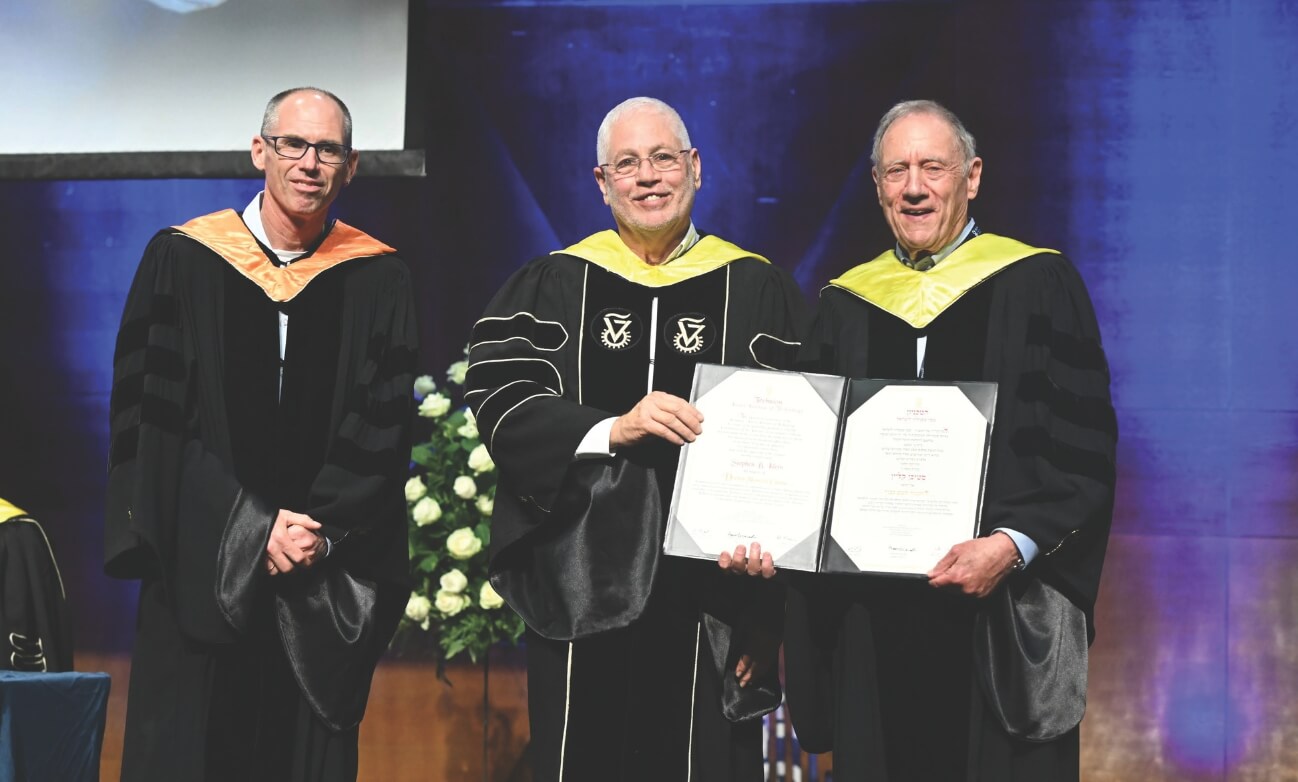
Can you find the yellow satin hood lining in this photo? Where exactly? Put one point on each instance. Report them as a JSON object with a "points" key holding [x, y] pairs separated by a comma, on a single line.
{"points": [[919, 297], [9, 511], [607, 250], [225, 234]]}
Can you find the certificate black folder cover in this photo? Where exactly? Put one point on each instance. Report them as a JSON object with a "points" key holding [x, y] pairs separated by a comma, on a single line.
{"points": [[821, 529]]}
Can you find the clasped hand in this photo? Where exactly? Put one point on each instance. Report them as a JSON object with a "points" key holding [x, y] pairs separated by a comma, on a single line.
{"points": [[293, 543]]}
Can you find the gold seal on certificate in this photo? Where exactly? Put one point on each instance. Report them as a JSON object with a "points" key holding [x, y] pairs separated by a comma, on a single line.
{"points": [[831, 474]]}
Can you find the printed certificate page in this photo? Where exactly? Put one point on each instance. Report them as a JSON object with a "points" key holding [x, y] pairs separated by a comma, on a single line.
{"points": [[760, 471], [909, 478]]}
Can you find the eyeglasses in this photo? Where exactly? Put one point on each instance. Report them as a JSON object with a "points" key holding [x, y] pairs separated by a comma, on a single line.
{"points": [[294, 148], [932, 171], [661, 161]]}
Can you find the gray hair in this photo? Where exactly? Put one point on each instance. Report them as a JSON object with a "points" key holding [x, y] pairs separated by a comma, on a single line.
{"points": [[271, 116], [906, 108], [632, 104]]}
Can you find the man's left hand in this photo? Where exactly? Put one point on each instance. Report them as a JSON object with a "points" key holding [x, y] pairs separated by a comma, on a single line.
{"points": [[977, 566], [750, 561]]}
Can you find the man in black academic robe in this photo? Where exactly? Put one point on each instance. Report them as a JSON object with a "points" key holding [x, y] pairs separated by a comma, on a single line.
{"points": [[979, 671], [260, 410], [635, 660]]}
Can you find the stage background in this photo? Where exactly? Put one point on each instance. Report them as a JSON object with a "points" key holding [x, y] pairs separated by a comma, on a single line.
{"points": [[1152, 142]]}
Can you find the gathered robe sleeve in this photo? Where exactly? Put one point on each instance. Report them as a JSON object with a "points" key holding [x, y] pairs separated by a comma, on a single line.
{"points": [[571, 543]]}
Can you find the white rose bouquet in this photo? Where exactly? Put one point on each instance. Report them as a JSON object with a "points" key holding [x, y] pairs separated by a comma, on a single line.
{"points": [[449, 499]]}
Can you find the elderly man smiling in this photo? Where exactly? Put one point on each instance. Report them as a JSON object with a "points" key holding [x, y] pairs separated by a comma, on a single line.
{"points": [[978, 672], [637, 665]]}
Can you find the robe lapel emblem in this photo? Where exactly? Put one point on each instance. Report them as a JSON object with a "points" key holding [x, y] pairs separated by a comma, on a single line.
{"points": [[617, 329], [691, 333]]}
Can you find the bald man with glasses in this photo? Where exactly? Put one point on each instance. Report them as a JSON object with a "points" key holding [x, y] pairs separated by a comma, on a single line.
{"points": [[260, 409]]}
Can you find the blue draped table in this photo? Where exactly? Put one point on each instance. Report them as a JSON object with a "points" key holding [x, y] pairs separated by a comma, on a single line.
{"points": [[51, 725]]}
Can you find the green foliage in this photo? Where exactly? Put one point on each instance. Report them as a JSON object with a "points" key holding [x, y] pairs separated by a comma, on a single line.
{"points": [[457, 618]]}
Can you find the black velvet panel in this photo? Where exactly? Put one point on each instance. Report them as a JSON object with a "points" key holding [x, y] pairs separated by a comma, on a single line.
{"points": [[251, 382], [691, 317], [310, 368], [891, 348], [957, 339], [615, 348]]}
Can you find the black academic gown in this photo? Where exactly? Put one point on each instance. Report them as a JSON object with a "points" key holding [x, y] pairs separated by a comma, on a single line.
{"points": [[235, 674], [904, 682], [627, 648]]}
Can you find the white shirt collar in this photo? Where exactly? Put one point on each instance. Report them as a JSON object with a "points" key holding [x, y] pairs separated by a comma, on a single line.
{"points": [[252, 219]]}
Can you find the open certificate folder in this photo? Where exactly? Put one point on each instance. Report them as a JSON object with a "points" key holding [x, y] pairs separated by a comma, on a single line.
{"points": [[831, 474]]}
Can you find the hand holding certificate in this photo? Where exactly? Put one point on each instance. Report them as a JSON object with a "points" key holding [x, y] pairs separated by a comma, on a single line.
{"points": [[832, 474]]}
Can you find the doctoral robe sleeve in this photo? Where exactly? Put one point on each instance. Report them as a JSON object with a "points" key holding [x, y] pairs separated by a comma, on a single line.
{"points": [[1052, 478], [336, 618], [575, 543], [174, 510], [521, 356], [1055, 435], [357, 494]]}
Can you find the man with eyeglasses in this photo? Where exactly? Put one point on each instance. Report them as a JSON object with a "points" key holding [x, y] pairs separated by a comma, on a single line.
{"points": [[977, 672], [260, 409], [640, 666]]}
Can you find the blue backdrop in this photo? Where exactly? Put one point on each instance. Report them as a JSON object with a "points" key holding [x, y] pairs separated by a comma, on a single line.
{"points": [[1151, 142]]}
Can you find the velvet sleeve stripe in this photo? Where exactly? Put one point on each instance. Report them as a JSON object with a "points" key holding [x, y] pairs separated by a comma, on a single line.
{"points": [[1087, 412], [394, 410], [389, 360], [1076, 352], [151, 411], [1035, 441], [159, 364], [134, 333], [351, 456]]}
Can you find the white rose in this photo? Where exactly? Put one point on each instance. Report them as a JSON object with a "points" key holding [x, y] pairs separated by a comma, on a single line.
{"points": [[470, 429], [417, 607], [415, 489], [426, 511], [456, 372], [455, 581], [485, 505], [434, 406], [463, 544], [451, 603], [464, 487], [424, 385], [488, 599], [480, 460]]}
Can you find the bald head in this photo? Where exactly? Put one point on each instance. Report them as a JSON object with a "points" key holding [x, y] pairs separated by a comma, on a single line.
{"points": [[270, 118]]}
